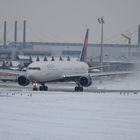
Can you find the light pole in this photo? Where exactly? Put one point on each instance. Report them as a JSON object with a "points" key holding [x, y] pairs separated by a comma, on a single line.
{"points": [[101, 21]]}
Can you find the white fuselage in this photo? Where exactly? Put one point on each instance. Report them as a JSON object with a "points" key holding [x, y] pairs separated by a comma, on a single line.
{"points": [[45, 71]]}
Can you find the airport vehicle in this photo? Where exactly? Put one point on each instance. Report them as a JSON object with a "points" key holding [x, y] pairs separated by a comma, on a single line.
{"points": [[52, 71]]}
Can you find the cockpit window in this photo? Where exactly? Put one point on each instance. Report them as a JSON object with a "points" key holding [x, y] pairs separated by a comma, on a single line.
{"points": [[34, 68]]}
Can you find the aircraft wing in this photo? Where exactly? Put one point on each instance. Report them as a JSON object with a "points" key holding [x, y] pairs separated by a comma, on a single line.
{"points": [[98, 74], [97, 67], [10, 75], [91, 69], [112, 73]]}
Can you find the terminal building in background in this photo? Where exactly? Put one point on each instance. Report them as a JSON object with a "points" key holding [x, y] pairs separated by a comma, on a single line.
{"points": [[111, 52]]}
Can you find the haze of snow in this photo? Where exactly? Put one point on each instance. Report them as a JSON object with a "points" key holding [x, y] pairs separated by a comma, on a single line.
{"points": [[131, 82], [69, 116]]}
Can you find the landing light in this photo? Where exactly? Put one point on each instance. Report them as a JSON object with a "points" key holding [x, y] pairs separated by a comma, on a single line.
{"points": [[34, 84]]}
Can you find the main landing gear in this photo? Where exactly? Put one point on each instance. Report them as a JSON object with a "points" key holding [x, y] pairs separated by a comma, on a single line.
{"points": [[78, 88], [41, 88]]}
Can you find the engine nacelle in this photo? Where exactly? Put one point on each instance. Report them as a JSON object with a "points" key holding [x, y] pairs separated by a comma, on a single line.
{"points": [[85, 81], [23, 81]]}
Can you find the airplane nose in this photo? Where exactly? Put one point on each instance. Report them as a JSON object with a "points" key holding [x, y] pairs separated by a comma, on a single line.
{"points": [[31, 76]]}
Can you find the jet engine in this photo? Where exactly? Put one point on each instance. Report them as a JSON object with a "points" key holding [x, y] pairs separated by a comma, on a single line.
{"points": [[23, 81], [85, 81]]}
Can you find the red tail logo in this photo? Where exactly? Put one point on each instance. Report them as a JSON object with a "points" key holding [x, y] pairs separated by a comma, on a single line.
{"points": [[84, 50]]}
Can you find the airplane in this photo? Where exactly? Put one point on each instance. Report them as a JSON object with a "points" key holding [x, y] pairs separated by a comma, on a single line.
{"points": [[41, 72], [10, 75], [12, 65]]}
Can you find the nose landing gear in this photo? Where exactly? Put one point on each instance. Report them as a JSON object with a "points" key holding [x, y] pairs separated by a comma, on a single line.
{"points": [[35, 87]]}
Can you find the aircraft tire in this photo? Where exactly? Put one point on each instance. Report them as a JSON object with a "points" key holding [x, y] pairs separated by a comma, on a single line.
{"points": [[77, 89], [81, 89], [43, 88], [35, 89]]}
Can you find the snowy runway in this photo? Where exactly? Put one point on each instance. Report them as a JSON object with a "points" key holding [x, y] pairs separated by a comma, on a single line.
{"points": [[70, 116]]}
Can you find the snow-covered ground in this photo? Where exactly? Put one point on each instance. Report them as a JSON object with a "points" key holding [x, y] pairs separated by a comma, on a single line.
{"points": [[69, 116]]}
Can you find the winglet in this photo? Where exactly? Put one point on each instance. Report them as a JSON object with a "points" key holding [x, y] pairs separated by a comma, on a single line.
{"points": [[84, 50]]}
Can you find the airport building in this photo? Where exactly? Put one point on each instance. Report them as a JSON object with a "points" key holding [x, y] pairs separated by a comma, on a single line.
{"points": [[111, 52]]}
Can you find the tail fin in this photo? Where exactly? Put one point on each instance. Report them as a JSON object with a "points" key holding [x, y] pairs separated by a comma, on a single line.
{"points": [[84, 50]]}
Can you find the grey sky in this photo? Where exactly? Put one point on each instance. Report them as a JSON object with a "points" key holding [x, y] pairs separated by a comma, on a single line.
{"points": [[67, 20]]}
